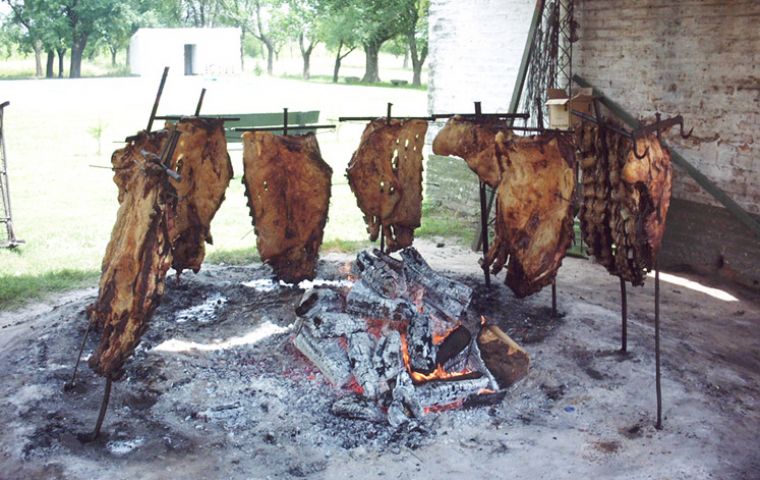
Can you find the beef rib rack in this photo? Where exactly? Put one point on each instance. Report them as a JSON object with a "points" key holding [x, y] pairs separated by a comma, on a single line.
{"points": [[534, 212], [385, 174], [137, 257], [288, 188], [625, 200], [204, 165]]}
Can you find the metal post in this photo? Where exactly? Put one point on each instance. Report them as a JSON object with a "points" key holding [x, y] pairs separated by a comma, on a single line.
{"points": [[388, 115], [86, 438], [284, 121], [658, 387], [73, 381], [624, 317], [6, 215], [200, 102], [158, 99], [382, 238], [554, 297]]}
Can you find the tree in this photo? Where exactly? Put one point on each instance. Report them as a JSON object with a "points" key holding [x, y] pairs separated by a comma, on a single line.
{"points": [[29, 15], [84, 18], [417, 35], [254, 17], [339, 30], [378, 21], [299, 20]]}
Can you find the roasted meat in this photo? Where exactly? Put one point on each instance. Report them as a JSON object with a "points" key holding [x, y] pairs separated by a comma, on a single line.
{"points": [[475, 142], [534, 215], [288, 187], [136, 260], [202, 160], [385, 174], [625, 201]]}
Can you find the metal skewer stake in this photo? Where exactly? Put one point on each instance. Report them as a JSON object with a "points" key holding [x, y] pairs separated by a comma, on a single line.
{"points": [[483, 213], [91, 437], [158, 99], [658, 386], [200, 102], [73, 381], [623, 317]]}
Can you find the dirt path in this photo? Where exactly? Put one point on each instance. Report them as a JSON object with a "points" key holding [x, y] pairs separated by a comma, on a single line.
{"points": [[216, 389]]}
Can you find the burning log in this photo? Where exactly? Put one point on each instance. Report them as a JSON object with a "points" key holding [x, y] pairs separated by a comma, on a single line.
{"points": [[503, 357], [361, 347], [363, 300], [202, 160], [288, 188], [454, 344], [387, 358], [317, 300], [422, 352], [447, 296], [334, 324], [327, 354], [438, 393], [405, 403]]}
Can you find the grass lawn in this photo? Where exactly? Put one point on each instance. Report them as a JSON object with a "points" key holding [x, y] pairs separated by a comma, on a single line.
{"points": [[64, 208]]}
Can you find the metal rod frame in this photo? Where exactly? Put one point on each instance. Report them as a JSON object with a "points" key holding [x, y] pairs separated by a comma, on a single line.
{"points": [[5, 194]]}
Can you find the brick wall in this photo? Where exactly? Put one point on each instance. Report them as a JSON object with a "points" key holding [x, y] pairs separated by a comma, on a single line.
{"points": [[697, 58]]}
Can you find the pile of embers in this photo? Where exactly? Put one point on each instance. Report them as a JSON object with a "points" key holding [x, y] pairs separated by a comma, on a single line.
{"points": [[397, 339]]}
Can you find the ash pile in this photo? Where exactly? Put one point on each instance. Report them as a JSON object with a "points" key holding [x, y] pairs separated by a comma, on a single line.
{"points": [[397, 341]]}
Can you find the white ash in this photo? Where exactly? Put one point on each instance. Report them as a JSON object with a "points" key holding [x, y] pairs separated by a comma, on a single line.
{"points": [[203, 312], [123, 447]]}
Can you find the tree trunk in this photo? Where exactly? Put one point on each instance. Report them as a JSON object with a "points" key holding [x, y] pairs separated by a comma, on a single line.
{"points": [[114, 51], [270, 57], [127, 62], [242, 51], [306, 65], [418, 59], [75, 66], [406, 59], [371, 52], [61, 56], [338, 59], [50, 64], [37, 47]]}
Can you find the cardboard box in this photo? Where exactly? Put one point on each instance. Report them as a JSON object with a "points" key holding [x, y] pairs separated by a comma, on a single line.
{"points": [[560, 107]]}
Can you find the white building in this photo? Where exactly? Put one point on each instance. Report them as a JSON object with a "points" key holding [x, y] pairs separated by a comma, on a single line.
{"points": [[194, 51]]}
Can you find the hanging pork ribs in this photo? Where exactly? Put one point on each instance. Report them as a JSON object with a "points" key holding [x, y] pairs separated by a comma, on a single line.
{"points": [[475, 142], [385, 174], [288, 188], [534, 213], [202, 160], [625, 200], [138, 255]]}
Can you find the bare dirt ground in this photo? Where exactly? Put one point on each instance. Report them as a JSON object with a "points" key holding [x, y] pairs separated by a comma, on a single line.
{"points": [[216, 389]]}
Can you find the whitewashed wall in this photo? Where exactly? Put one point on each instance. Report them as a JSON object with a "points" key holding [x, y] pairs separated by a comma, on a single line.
{"points": [[217, 50], [475, 52]]}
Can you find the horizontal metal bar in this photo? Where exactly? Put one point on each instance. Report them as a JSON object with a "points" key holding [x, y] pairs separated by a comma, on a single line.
{"points": [[523, 116], [607, 125], [661, 125], [203, 117], [704, 182], [281, 127], [369, 119]]}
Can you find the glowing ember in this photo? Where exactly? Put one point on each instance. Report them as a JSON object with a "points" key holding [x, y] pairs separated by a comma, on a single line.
{"points": [[438, 374]]}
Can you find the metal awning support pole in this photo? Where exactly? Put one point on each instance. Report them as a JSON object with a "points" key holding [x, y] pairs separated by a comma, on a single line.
{"points": [[522, 73], [5, 195], [704, 182]]}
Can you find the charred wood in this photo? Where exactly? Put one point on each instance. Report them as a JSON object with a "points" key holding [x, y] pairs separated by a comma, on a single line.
{"points": [[503, 357], [327, 354]]}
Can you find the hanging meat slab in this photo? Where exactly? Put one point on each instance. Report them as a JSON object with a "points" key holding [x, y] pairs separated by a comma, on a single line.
{"points": [[202, 160], [475, 142], [288, 188], [125, 161], [625, 201], [136, 260], [534, 215], [385, 174]]}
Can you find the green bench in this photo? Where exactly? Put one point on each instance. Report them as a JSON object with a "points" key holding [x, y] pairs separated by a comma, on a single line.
{"points": [[267, 120]]}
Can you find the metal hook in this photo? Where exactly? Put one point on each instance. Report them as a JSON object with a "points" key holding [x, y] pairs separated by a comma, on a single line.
{"points": [[636, 150], [684, 135]]}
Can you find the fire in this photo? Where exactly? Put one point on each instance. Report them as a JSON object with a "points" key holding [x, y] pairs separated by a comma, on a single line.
{"points": [[455, 405], [438, 374], [345, 271]]}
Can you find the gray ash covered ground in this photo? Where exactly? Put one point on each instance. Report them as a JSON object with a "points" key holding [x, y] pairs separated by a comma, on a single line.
{"points": [[217, 390]]}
